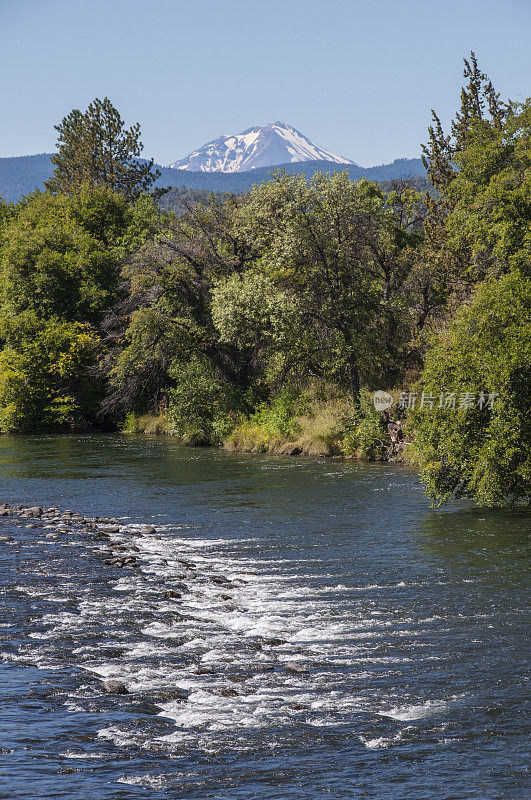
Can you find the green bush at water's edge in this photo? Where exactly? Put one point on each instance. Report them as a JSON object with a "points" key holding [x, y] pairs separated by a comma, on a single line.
{"points": [[480, 450], [313, 425]]}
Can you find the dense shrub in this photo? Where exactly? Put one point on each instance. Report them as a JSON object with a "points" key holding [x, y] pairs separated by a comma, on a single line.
{"points": [[44, 374], [203, 408], [481, 448]]}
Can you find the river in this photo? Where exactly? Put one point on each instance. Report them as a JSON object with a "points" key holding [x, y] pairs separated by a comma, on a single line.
{"points": [[407, 624]]}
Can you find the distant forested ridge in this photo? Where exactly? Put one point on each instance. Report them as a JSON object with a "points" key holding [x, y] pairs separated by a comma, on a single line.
{"points": [[21, 175]]}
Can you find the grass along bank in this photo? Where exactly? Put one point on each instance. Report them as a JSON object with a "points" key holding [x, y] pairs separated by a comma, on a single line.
{"points": [[147, 423], [315, 423]]}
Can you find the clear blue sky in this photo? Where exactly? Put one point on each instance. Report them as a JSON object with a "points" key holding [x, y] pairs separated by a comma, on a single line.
{"points": [[357, 77]]}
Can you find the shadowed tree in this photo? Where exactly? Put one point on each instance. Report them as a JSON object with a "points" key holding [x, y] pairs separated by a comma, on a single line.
{"points": [[165, 319]]}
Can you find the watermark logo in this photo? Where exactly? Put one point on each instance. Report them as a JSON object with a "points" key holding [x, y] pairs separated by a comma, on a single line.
{"points": [[382, 400], [447, 401]]}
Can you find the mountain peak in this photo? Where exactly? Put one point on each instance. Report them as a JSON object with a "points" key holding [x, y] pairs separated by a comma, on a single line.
{"points": [[259, 146]]}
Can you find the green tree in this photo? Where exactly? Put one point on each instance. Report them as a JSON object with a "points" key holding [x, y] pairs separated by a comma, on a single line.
{"points": [[481, 449], [6, 209], [45, 378], [94, 148], [343, 253], [250, 312], [165, 321], [479, 224], [490, 195], [60, 260], [60, 255]]}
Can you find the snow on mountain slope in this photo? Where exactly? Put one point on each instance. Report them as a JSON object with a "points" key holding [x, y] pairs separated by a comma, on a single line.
{"points": [[261, 146]]}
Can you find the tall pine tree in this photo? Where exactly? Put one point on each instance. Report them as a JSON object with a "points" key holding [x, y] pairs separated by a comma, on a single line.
{"points": [[95, 148]]}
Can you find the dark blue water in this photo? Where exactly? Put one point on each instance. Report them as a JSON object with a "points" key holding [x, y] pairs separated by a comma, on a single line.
{"points": [[408, 622]]}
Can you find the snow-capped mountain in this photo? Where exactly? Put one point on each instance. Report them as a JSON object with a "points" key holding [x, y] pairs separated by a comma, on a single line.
{"points": [[261, 146]]}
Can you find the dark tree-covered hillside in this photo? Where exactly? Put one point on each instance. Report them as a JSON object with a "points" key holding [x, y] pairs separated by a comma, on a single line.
{"points": [[21, 176]]}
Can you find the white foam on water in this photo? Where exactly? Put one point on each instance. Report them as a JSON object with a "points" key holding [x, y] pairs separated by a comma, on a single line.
{"points": [[73, 708], [30, 591], [214, 713], [326, 722], [119, 736], [406, 713], [273, 616], [72, 754], [384, 742], [146, 781]]}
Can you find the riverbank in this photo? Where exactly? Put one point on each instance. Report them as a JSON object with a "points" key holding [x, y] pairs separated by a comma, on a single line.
{"points": [[309, 427]]}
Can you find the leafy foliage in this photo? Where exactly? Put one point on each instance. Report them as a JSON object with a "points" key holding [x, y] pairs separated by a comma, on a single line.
{"points": [[204, 408], [60, 255], [365, 435], [480, 450], [59, 273], [342, 252], [166, 314], [44, 378], [491, 194], [479, 224]]}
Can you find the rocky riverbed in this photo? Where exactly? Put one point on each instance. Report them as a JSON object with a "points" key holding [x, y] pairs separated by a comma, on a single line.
{"points": [[115, 546]]}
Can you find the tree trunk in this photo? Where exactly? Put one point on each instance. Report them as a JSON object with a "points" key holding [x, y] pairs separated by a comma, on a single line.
{"points": [[353, 371], [354, 380]]}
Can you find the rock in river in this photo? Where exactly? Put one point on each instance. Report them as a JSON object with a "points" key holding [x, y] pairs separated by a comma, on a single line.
{"points": [[112, 686], [295, 666]]}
